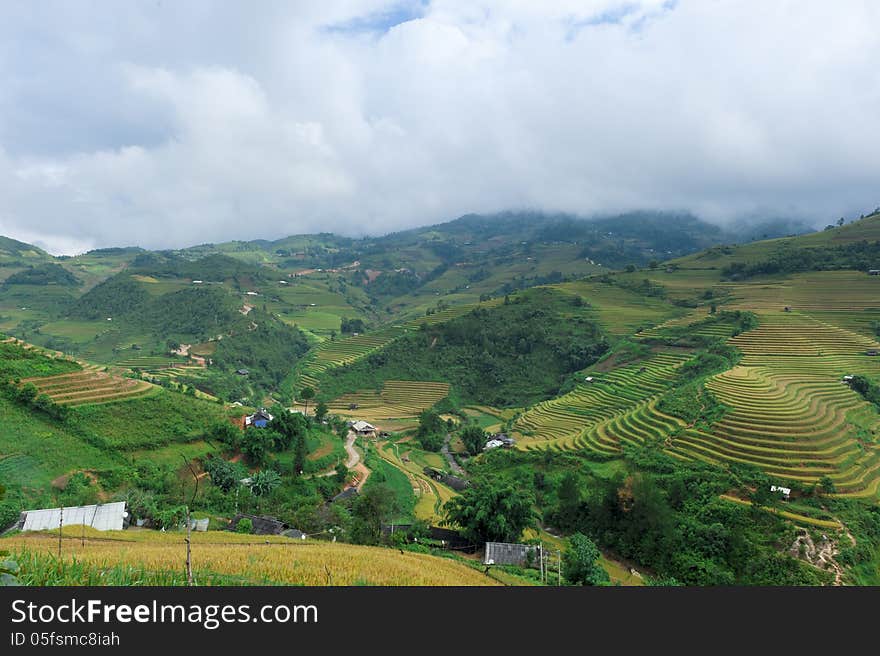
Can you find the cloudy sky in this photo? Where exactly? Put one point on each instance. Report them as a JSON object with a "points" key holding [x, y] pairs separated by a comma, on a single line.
{"points": [[164, 123]]}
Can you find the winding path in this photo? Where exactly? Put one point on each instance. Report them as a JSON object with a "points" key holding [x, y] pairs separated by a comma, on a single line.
{"points": [[354, 460], [454, 466]]}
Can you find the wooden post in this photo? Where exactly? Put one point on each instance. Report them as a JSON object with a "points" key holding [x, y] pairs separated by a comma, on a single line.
{"points": [[189, 576], [60, 524], [189, 573]]}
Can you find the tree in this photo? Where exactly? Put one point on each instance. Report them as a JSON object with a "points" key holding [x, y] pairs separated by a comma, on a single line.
{"points": [[375, 506], [245, 525], [257, 443], [224, 474], [713, 308], [630, 268], [827, 485], [307, 394], [569, 495], [264, 482], [474, 439], [431, 430], [491, 511], [580, 564], [841, 221], [321, 411], [224, 432], [341, 473]]}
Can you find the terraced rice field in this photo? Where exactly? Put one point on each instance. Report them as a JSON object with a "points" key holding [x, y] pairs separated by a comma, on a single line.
{"points": [[91, 385], [338, 353], [430, 495], [398, 399], [718, 329], [148, 362], [789, 413], [617, 406]]}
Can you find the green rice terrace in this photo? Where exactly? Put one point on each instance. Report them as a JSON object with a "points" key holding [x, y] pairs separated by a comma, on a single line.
{"points": [[733, 366]]}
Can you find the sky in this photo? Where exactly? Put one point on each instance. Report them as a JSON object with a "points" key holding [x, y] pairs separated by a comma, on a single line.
{"points": [[165, 124]]}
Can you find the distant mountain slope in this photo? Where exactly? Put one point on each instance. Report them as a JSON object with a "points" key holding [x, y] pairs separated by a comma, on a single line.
{"points": [[851, 246], [15, 253]]}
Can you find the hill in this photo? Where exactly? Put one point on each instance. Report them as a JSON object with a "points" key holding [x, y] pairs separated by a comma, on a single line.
{"points": [[514, 353]]}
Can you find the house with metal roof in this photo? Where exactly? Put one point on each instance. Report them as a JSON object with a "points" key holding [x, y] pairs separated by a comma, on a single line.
{"points": [[363, 428], [260, 419]]}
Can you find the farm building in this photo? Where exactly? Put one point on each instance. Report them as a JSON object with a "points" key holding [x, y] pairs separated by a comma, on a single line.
{"points": [[103, 517], [262, 525], [456, 483], [506, 440], [784, 491], [347, 493], [874, 272], [363, 428], [294, 533], [493, 444], [506, 553], [242, 372], [260, 419], [872, 352]]}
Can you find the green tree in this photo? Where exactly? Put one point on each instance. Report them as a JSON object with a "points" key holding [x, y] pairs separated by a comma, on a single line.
{"points": [[307, 394], [827, 485], [264, 482], [491, 511], [580, 563], [321, 411], [431, 431], [569, 496], [375, 506], [224, 474], [225, 432], [474, 439], [8, 568], [341, 473], [257, 443], [245, 525]]}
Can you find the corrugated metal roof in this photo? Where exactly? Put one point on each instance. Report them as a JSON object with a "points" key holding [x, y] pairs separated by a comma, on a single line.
{"points": [[103, 517]]}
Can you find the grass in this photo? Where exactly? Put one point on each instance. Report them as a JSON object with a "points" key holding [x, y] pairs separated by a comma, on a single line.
{"points": [[154, 420], [19, 360], [35, 450]]}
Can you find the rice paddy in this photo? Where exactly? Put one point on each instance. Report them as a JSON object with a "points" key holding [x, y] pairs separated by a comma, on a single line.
{"points": [[397, 399], [157, 558], [616, 406], [91, 385]]}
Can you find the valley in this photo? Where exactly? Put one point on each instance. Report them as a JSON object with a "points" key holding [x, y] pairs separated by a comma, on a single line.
{"points": [[623, 372]]}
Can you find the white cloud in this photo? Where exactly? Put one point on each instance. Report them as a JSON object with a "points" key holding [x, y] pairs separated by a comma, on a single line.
{"points": [[213, 123]]}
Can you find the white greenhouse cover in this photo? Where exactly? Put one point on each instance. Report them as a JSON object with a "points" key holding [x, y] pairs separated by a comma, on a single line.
{"points": [[104, 517]]}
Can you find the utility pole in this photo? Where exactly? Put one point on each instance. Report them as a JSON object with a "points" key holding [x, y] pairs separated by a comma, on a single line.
{"points": [[559, 567]]}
